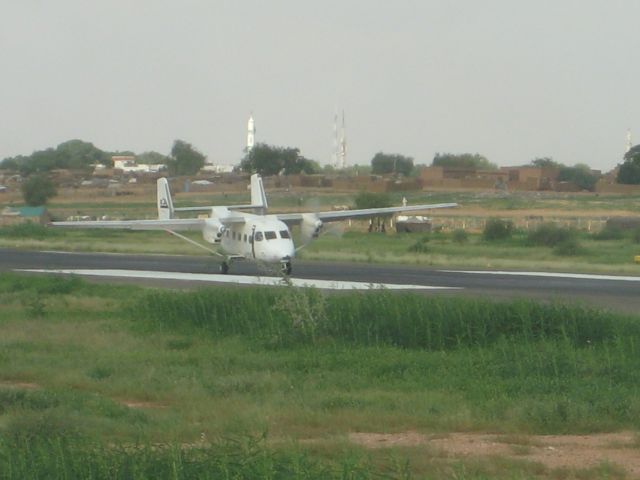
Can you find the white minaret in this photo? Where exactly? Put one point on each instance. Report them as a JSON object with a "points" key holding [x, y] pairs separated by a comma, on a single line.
{"points": [[334, 153], [629, 142], [343, 144], [251, 133]]}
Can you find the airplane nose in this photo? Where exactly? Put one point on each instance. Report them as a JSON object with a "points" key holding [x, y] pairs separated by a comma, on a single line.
{"points": [[291, 253], [280, 252]]}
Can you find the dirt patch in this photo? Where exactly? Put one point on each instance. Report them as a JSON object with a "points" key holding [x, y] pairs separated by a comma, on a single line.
{"points": [[20, 385], [140, 404], [553, 451]]}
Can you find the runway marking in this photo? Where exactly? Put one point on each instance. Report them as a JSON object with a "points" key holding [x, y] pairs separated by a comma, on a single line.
{"points": [[238, 279], [581, 276]]}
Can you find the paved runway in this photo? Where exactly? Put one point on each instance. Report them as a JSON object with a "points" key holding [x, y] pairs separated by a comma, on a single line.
{"points": [[616, 292]]}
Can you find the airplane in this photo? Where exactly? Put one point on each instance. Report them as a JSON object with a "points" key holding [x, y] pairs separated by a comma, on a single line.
{"points": [[244, 235]]}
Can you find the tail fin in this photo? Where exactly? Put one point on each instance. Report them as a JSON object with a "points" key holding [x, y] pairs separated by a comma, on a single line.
{"points": [[258, 197], [165, 204]]}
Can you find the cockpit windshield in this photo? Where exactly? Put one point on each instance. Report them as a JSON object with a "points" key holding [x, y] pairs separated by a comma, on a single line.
{"points": [[270, 235], [285, 234]]}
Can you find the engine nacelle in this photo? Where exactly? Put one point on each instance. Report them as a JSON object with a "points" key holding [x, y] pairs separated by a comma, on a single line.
{"points": [[213, 230], [310, 227]]}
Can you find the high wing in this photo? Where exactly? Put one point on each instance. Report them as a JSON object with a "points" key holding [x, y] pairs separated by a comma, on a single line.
{"points": [[176, 224], [334, 216], [164, 224]]}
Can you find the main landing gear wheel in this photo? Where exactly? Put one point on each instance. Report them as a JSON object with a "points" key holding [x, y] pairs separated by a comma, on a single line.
{"points": [[286, 268], [224, 268]]}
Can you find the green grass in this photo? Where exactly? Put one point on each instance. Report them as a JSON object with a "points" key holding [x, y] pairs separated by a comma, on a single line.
{"points": [[613, 256], [118, 370], [243, 457], [318, 198]]}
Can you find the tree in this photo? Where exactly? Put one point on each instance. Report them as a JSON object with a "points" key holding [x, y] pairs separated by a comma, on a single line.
{"points": [[185, 160], [629, 171], [37, 189], [40, 161], [463, 160], [77, 154], [580, 174], [73, 154], [270, 160], [9, 164], [372, 200], [545, 162], [152, 158], [383, 163]]}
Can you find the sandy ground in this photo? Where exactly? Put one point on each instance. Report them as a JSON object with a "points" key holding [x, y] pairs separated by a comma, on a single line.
{"points": [[553, 451]]}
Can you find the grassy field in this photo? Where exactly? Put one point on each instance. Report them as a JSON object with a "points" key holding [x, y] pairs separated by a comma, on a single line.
{"points": [[96, 203], [123, 382]]}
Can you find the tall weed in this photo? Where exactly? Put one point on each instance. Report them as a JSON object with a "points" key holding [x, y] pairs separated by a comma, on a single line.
{"points": [[372, 318]]}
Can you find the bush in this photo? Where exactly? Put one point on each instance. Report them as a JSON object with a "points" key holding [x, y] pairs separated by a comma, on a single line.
{"points": [[609, 233], [421, 245], [497, 229], [372, 200], [568, 248], [550, 235], [460, 236]]}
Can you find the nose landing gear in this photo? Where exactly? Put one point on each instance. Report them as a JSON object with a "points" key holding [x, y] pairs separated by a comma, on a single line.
{"points": [[286, 268], [224, 268]]}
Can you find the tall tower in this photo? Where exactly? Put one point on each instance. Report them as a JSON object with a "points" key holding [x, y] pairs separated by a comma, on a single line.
{"points": [[629, 142], [343, 144], [251, 133], [335, 154]]}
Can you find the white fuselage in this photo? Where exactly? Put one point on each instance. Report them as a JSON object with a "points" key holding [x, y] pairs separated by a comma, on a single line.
{"points": [[261, 238]]}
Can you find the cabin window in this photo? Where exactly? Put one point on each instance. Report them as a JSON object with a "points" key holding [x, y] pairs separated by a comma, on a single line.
{"points": [[245, 238], [233, 235], [227, 233], [258, 237], [270, 235], [285, 234]]}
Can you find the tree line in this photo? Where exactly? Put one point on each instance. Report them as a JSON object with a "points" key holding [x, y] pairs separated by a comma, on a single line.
{"points": [[184, 159]]}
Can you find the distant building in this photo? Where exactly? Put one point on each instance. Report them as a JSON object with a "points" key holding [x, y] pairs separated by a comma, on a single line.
{"points": [[127, 163], [217, 168], [513, 178]]}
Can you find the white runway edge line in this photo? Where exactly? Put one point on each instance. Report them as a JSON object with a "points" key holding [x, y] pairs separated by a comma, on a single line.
{"points": [[238, 279], [581, 276]]}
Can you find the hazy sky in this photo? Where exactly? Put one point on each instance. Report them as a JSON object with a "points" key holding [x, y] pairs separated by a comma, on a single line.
{"points": [[512, 80]]}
